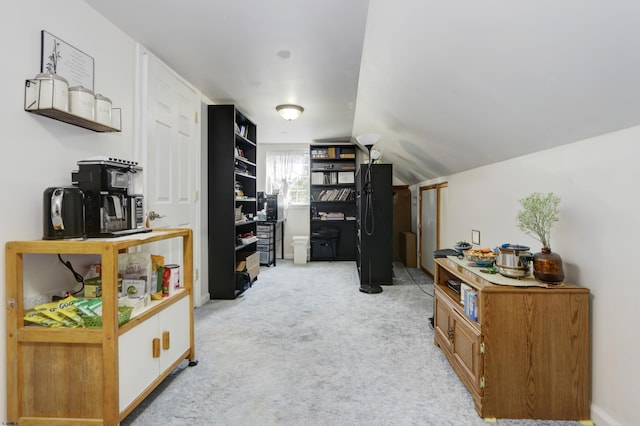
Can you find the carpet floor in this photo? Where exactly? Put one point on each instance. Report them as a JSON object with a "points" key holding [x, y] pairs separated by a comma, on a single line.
{"points": [[304, 347]]}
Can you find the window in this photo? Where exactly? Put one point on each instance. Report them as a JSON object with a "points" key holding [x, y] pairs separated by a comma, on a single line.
{"points": [[288, 173]]}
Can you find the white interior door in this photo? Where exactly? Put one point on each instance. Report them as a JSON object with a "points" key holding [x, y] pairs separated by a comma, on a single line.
{"points": [[170, 144], [429, 228]]}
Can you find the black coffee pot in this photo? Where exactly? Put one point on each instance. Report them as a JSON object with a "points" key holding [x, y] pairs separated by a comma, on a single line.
{"points": [[63, 213]]}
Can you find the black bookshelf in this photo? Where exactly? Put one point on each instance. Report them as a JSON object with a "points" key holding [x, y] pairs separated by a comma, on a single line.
{"points": [[231, 185], [333, 198]]}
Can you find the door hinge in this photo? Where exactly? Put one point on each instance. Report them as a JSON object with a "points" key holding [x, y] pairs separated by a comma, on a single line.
{"points": [[196, 195], [196, 274], [196, 117], [482, 348], [482, 382]]}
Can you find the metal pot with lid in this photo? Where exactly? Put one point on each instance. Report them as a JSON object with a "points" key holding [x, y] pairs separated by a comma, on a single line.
{"points": [[514, 261]]}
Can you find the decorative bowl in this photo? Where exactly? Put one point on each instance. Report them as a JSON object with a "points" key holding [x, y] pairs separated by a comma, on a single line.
{"points": [[461, 247], [481, 258]]}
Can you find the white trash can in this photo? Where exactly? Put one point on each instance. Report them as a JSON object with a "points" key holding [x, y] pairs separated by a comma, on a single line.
{"points": [[300, 246]]}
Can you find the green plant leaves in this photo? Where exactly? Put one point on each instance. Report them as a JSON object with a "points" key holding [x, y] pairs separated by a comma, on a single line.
{"points": [[539, 212]]}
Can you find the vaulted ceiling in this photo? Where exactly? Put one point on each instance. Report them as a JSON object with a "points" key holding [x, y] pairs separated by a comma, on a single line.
{"points": [[448, 85]]}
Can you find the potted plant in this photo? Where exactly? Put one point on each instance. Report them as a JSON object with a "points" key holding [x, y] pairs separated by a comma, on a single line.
{"points": [[539, 213]]}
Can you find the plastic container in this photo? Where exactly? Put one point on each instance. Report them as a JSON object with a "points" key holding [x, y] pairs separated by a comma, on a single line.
{"points": [[300, 246]]}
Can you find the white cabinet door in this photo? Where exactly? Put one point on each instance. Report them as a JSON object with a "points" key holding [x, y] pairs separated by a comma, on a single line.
{"points": [[137, 368], [175, 321]]}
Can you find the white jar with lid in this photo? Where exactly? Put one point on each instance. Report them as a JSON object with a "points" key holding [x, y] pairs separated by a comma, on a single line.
{"points": [[53, 91], [82, 102], [103, 110]]}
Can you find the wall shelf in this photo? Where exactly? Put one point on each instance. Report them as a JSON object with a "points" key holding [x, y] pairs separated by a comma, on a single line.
{"points": [[31, 96]]}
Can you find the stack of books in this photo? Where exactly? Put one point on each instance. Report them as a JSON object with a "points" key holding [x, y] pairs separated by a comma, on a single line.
{"points": [[331, 216], [335, 194]]}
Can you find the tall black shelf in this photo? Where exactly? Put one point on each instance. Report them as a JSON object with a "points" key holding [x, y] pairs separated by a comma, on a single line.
{"points": [[231, 164], [333, 209], [374, 251]]}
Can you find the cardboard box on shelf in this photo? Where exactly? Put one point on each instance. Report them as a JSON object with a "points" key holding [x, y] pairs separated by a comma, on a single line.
{"points": [[254, 271], [250, 262], [249, 258]]}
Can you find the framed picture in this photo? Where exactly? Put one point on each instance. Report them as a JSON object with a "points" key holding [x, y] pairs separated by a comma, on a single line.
{"points": [[475, 237], [59, 57], [346, 177]]}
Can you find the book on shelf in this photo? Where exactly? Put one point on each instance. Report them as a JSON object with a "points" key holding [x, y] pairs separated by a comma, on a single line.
{"points": [[334, 152], [334, 194], [242, 130], [331, 215], [317, 178], [335, 216]]}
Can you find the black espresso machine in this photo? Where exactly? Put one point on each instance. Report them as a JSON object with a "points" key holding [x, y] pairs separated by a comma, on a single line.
{"points": [[113, 201]]}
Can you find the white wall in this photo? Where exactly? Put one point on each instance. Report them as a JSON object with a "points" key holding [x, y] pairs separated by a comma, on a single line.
{"points": [[598, 229], [39, 152]]}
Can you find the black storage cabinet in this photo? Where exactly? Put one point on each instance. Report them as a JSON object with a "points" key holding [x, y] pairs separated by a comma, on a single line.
{"points": [[374, 253]]}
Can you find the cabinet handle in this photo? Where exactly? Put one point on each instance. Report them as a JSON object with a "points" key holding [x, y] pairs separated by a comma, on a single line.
{"points": [[450, 333], [165, 340], [156, 348]]}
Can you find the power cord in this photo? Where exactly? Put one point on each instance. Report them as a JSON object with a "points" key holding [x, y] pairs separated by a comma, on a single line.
{"points": [[416, 282], [79, 278], [397, 255]]}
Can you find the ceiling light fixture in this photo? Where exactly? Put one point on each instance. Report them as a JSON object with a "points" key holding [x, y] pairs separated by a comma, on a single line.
{"points": [[289, 111]]}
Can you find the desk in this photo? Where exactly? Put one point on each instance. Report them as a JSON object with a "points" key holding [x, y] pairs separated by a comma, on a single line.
{"points": [[268, 237]]}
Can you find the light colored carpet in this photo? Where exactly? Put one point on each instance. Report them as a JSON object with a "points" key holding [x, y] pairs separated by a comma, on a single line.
{"points": [[304, 347]]}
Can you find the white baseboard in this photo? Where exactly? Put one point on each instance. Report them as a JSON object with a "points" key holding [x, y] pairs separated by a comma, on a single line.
{"points": [[203, 299], [601, 418]]}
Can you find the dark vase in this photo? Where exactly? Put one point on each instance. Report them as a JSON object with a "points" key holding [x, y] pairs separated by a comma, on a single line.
{"points": [[547, 266]]}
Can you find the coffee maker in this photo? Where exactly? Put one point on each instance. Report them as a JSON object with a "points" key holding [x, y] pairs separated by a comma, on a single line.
{"points": [[114, 205]]}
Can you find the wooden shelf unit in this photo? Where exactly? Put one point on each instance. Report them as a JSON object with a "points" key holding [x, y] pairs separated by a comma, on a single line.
{"points": [[80, 376], [526, 356]]}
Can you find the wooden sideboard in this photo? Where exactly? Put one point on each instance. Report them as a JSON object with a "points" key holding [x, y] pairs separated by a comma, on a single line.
{"points": [[528, 353]]}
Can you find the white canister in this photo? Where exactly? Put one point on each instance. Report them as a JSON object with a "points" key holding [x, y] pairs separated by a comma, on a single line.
{"points": [[53, 91], [82, 102], [103, 110]]}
